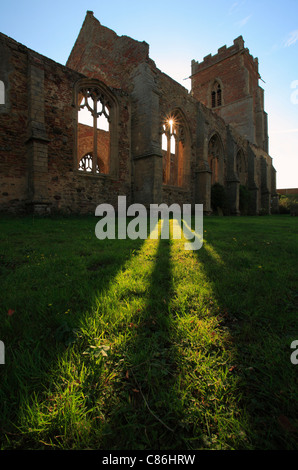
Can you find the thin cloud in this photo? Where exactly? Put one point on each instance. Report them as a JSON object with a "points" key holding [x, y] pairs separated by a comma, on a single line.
{"points": [[236, 6], [291, 39], [243, 22], [233, 7]]}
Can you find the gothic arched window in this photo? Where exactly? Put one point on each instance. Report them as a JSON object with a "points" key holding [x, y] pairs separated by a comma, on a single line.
{"points": [[175, 150], [97, 140]]}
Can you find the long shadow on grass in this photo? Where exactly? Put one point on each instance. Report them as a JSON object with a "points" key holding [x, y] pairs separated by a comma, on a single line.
{"points": [[258, 327], [148, 410], [35, 345]]}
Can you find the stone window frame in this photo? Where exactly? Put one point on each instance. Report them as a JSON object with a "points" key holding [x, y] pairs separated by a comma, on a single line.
{"points": [[110, 98], [182, 136], [216, 94]]}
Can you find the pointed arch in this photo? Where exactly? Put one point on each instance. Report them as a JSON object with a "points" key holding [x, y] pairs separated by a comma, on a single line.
{"points": [[96, 143], [215, 93], [175, 144]]}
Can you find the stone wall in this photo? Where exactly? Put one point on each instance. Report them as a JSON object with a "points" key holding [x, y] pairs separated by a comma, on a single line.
{"points": [[100, 53], [13, 126], [38, 137], [41, 141]]}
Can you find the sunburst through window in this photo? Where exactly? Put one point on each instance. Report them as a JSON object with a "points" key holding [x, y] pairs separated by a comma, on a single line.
{"points": [[173, 149]]}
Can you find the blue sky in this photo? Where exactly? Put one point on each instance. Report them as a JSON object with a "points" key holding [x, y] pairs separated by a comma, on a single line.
{"points": [[177, 32]]}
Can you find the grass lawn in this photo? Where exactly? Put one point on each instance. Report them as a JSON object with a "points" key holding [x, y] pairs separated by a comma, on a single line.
{"points": [[128, 345]]}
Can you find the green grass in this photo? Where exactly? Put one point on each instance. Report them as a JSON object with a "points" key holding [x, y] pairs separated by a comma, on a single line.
{"points": [[123, 344]]}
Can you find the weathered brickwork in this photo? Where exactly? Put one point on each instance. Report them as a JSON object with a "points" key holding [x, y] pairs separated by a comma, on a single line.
{"points": [[100, 53], [242, 99], [13, 131], [163, 144]]}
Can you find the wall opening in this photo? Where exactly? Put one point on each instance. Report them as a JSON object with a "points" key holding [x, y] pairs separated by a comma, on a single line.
{"points": [[175, 150], [93, 131]]}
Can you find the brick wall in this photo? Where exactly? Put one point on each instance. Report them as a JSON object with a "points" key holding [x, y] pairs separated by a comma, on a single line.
{"points": [[242, 98], [41, 142], [100, 53], [287, 191], [13, 126], [38, 135]]}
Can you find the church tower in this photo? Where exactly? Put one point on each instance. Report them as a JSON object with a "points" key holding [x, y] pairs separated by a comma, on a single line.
{"points": [[228, 83]]}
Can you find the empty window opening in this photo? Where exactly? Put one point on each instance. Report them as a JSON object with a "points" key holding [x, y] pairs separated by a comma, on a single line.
{"points": [[93, 142], [172, 143], [86, 164], [164, 139], [172, 146], [2, 92]]}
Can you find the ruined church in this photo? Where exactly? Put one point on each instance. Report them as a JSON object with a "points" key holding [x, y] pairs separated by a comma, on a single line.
{"points": [[110, 124]]}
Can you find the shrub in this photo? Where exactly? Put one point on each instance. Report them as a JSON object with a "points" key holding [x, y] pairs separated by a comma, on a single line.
{"points": [[283, 205], [288, 204]]}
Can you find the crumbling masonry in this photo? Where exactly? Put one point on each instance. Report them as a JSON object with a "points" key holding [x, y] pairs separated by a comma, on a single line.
{"points": [[110, 123]]}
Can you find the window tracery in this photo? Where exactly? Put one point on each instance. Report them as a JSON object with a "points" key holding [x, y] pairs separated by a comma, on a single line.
{"points": [[94, 123], [173, 147]]}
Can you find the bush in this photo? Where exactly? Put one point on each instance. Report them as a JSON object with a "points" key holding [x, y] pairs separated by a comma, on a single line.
{"points": [[218, 197], [288, 204]]}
